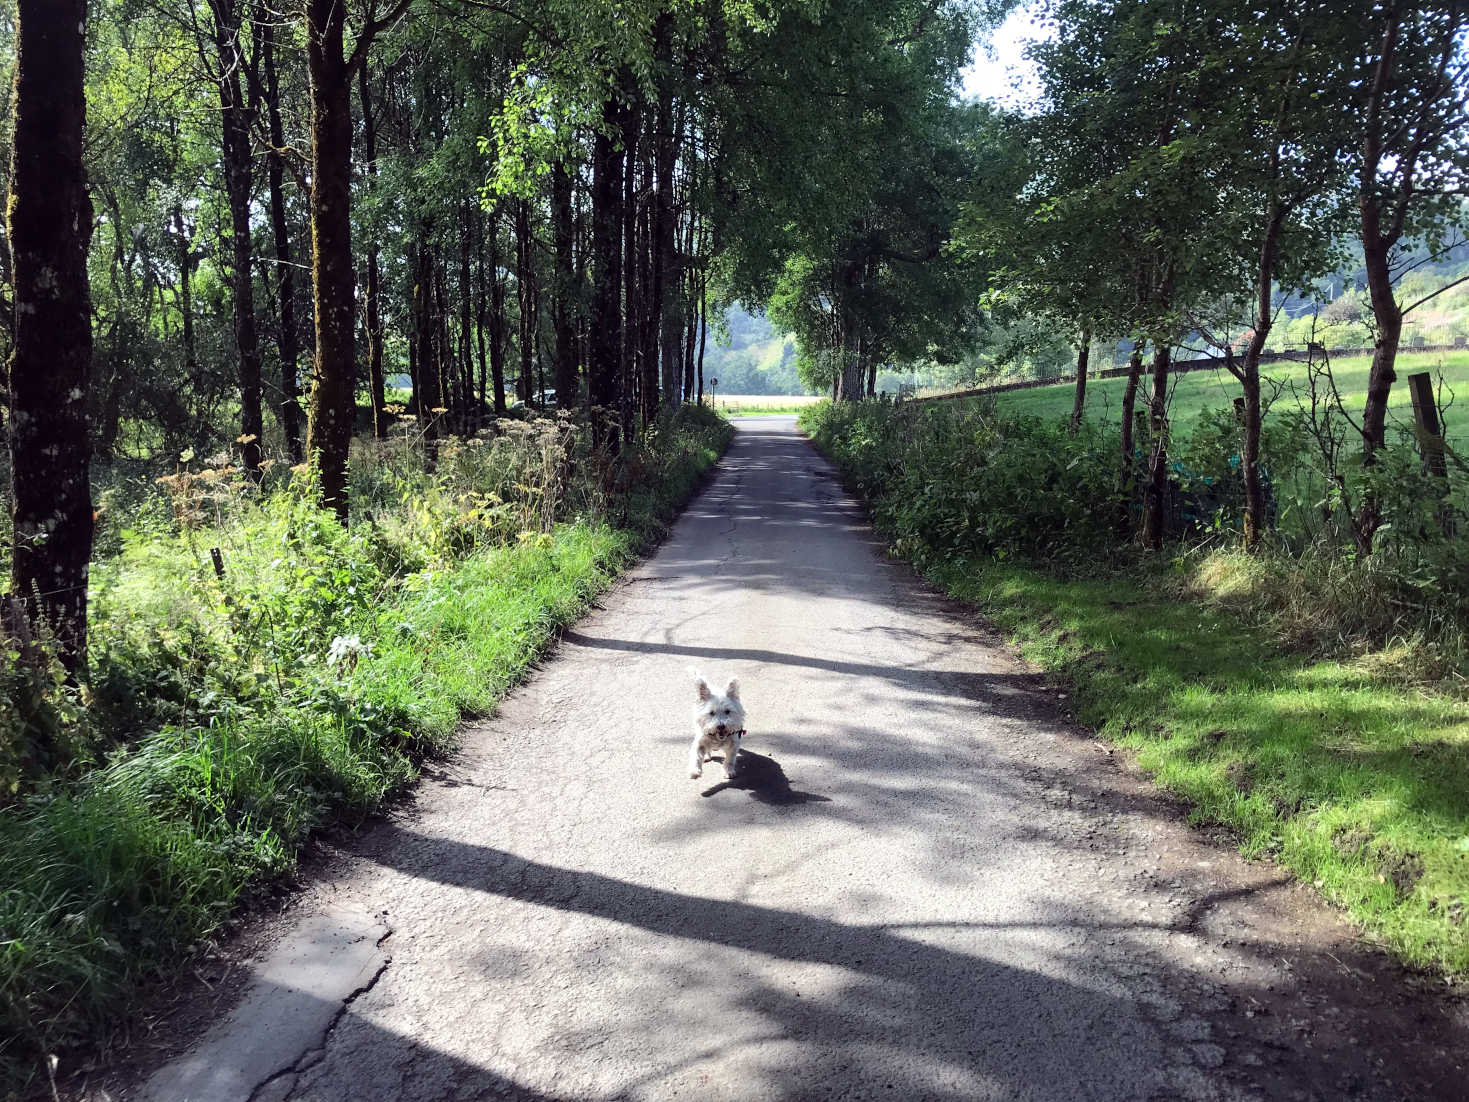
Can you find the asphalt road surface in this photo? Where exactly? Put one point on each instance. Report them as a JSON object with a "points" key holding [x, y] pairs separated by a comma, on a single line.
{"points": [[925, 884]]}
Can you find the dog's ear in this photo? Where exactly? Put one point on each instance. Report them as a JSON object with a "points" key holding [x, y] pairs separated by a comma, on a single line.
{"points": [[733, 688], [704, 691]]}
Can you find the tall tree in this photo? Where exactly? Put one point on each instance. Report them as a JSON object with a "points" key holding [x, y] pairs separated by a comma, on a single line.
{"points": [[1277, 119], [1413, 112], [329, 425], [376, 391], [49, 225], [288, 337], [236, 81], [565, 303]]}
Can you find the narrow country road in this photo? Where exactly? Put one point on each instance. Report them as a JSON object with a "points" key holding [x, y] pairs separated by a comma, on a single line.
{"points": [[926, 885]]}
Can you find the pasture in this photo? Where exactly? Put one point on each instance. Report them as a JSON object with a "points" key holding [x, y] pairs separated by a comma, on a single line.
{"points": [[1216, 389]]}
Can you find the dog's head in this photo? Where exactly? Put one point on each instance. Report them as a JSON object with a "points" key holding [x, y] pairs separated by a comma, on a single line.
{"points": [[719, 715]]}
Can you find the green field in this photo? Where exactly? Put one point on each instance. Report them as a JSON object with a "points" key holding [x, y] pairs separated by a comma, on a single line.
{"points": [[1201, 390]]}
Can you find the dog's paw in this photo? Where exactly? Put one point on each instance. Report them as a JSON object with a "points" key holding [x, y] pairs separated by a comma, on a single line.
{"points": [[695, 774]]}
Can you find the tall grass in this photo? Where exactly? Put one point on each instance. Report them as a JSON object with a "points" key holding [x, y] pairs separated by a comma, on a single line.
{"points": [[227, 717]]}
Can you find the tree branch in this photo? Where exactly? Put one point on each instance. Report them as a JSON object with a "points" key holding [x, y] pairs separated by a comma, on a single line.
{"points": [[1441, 290], [374, 28]]}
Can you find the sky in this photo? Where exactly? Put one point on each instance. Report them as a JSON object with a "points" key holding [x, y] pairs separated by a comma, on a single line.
{"points": [[991, 77]]}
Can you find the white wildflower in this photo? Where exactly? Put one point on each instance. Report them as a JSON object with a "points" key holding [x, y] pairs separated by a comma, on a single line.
{"points": [[347, 649]]}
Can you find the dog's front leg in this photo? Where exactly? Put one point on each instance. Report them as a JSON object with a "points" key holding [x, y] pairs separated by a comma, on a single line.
{"points": [[731, 759], [696, 759]]}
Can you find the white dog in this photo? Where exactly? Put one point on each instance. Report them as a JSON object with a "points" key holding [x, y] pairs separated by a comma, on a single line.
{"points": [[719, 721]]}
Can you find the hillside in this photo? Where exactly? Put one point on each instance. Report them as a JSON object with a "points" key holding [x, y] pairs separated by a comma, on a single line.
{"points": [[748, 356]]}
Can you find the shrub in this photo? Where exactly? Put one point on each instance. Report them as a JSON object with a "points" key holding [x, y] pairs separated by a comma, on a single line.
{"points": [[948, 479]]}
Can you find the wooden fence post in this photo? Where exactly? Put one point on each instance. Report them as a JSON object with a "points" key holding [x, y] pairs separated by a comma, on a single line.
{"points": [[1431, 440], [1425, 416]]}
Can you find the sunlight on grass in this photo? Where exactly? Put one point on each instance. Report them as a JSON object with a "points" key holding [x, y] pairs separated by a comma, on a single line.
{"points": [[1197, 391], [1359, 788]]}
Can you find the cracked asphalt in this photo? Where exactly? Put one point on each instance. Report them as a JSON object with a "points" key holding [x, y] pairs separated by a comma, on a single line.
{"points": [[925, 884]]}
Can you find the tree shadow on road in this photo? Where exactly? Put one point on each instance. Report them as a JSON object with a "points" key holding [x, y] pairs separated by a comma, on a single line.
{"points": [[917, 1011], [765, 781]]}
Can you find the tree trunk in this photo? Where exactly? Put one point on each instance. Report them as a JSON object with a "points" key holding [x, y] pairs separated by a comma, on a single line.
{"points": [[1389, 318], [1083, 357], [525, 297], [668, 319], [690, 302], [853, 367], [1250, 458], [466, 322], [449, 376], [853, 344], [376, 384], [49, 225], [605, 352], [186, 298], [563, 304], [430, 365], [329, 427], [236, 116], [1254, 519], [288, 338], [497, 317], [414, 383], [1127, 465], [481, 313], [703, 329], [651, 306], [1157, 490], [631, 345]]}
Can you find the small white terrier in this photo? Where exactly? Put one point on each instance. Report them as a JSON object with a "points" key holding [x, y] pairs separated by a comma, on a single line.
{"points": [[719, 720]]}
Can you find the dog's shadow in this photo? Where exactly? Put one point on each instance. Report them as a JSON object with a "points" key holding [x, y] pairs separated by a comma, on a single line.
{"points": [[765, 781]]}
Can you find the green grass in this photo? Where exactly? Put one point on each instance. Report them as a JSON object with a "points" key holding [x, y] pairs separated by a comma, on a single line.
{"points": [[1360, 788], [1358, 783], [1216, 389], [774, 410], [246, 737], [760, 405]]}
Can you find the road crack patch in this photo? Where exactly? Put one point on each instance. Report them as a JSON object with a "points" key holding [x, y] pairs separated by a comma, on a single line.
{"points": [[312, 1056]]}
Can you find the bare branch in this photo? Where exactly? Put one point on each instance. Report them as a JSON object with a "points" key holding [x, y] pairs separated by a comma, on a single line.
{"points": [[1408, 310]]}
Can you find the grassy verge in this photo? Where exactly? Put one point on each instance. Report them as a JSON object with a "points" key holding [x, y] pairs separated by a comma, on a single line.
{"points": [[301, 690], [1356, 783]]}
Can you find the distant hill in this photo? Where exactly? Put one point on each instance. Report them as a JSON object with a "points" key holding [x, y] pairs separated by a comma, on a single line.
{"points": [[750, 357]]}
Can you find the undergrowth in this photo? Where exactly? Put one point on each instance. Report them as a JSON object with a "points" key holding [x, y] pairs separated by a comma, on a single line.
{"points": [[1281, 696], [228, 715]]}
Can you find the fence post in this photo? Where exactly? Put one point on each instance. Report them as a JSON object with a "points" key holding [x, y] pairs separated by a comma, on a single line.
{"points": [[1430, 440], [1425, 416]]}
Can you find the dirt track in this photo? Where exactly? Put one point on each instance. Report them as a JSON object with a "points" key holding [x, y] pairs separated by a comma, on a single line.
{"points": [[927, 884]]}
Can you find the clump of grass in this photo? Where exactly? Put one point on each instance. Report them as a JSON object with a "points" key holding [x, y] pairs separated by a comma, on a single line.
{"points": [[1330, 606], [1359, 787], [227, 719]]}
